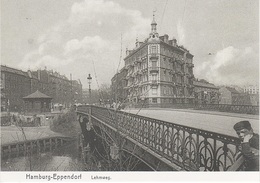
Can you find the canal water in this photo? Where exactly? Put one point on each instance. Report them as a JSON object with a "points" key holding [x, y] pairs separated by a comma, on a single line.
{"points": [[65, 158]]}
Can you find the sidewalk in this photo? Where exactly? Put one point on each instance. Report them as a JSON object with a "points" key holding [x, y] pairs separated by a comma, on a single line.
{"points": [[219, 122], [247, 116]]}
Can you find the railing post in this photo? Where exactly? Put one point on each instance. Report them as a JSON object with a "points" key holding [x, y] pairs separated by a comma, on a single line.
{"points": [[89, 115], [215, 155], [197, 149]]}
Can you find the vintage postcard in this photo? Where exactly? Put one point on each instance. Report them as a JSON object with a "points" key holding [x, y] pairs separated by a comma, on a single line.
{"points": [[129, 90]]}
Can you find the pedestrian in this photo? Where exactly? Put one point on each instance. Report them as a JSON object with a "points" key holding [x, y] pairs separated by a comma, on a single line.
{"points": [[249, 145]]}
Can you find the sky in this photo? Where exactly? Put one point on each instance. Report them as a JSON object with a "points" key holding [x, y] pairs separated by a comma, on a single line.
{"points": [[82, 37]]}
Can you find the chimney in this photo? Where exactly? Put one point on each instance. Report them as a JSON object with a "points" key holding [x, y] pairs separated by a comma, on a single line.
{"points": [[174, 42], [165, 38]]}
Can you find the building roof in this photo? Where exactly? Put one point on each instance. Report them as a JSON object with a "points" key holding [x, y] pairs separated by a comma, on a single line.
{"points": [[205, 85], [37, 95], [32, 75], [12, 70], [232, 90]]}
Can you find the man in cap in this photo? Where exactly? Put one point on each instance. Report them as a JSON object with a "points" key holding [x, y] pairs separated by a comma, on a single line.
{"points": [[249, 145]]}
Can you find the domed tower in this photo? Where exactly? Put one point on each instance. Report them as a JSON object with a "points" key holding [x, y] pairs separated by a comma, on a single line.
{"points": [[153, 34]]}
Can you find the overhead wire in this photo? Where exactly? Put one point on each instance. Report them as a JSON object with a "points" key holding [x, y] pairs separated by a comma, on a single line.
{"points": [[163, 12], [184, 11]]}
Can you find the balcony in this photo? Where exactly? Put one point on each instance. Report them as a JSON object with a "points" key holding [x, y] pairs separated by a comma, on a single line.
{"points": [[190, 65], [139, 60], [190, 86], [153, 56], [191, 75], [187, 74], [154, 83], [178, 84], [179, 72], [139, 72], [154, 69], [172, 72], [145, 70]]}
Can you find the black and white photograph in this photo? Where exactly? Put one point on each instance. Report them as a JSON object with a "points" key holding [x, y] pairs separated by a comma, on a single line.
{"points": [[129, 90]]}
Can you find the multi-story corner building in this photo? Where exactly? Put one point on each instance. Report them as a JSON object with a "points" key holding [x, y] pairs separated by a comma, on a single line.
{"points": [[159, 71], [205, 92], [17, 84]]}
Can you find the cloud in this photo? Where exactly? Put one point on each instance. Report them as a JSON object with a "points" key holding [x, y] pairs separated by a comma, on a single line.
{"points": [[90, 34], [89, 9], [231, 66], [88, 45]]}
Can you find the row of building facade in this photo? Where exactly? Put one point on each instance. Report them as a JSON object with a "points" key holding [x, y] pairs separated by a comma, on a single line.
{"points": [[159, 72], [16, 84]]}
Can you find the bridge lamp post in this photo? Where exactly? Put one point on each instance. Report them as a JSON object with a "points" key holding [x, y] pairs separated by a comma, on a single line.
{"points": [[89, 83]]}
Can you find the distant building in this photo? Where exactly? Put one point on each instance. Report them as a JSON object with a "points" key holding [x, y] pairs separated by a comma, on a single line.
{"points": [[85, 96], [77, 91], [251, 89], [253, 92], [16, 84], [205, 92], [158, 72], [254, 99], [229, 95]]}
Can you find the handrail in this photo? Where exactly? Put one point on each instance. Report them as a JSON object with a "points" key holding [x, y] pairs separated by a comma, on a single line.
{"points": [[191, 148]]}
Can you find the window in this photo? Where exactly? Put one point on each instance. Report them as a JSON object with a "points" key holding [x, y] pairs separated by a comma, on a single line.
{"points": [[154, 77], [153, 50], [154, 91], [154, 100], [154, 63]]}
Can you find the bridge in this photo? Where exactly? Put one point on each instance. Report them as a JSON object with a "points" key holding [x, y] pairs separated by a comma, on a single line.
{"points": [[166, 144]]}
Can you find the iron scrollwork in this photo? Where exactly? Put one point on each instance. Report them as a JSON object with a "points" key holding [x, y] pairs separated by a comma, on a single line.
{"points": [[192, 149]]}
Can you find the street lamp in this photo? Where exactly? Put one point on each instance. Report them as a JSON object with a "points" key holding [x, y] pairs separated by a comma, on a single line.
{"points": [[89, 82]]}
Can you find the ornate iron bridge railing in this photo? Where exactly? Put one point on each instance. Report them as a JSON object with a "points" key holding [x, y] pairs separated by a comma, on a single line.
{"points": [[190, 148]]}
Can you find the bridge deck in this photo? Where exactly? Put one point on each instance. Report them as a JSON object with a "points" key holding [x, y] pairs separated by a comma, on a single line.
{"points": [[219, 122]]}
